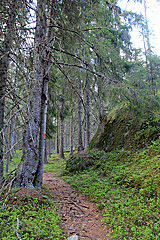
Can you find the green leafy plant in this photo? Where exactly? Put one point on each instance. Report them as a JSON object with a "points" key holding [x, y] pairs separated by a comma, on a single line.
{"points": [[54, 164], [29, 218], [126, 186]]}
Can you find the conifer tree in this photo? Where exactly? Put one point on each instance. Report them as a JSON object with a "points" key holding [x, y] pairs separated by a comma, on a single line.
{"points": [[6, 45]]}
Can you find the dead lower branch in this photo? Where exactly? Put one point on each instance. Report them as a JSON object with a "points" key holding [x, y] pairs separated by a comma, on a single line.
{"points": [[9, 189]]}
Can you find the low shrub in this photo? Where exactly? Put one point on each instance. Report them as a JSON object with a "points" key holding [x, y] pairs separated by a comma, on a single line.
{"points": [[126, 186]]}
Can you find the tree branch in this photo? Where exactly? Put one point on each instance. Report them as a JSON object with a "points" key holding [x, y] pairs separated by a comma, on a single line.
{"points": [[70, 82]]}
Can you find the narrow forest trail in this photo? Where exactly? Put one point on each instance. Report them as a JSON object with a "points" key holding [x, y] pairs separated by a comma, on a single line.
{"points": [[79, 215]]}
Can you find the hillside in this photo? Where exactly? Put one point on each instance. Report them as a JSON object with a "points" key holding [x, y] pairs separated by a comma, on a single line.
{"points": [[125, 185]]}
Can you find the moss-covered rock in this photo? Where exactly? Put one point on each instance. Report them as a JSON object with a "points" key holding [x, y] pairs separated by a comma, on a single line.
{"points": [[120, 129], [79, 161]]}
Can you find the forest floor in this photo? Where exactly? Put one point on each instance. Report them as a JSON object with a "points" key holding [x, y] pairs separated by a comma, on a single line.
{"points": [[79, 216], [120, 188]]}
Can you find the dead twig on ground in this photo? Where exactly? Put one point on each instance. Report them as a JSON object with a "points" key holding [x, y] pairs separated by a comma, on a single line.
{"points": [[83, 206], [71, 201], [17, 234], [86, 236]]}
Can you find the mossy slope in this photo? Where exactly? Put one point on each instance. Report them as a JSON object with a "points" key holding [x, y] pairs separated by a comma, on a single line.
{"points": [[126, 186], [121, 129]]}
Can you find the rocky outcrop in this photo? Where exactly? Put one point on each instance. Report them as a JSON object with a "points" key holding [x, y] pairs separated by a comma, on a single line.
{"points": [[121, 129]]}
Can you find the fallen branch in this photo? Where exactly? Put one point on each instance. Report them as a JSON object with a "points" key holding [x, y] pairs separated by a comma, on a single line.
{"points": [[83, 206], [77, 206], [87, 236], [122, 180], [17, 234]]}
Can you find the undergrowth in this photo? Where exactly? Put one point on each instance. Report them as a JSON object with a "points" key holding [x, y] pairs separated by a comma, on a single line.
{"points": [[49, 167], [26, 217], [29, 218], [13, 163], [55, 164], [126, 186]]}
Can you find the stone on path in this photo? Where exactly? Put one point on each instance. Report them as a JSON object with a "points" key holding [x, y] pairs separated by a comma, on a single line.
{"points": [[74, 237]]}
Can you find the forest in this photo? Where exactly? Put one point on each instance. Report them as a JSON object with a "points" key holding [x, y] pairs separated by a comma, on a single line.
{"points": [[78, 102]]}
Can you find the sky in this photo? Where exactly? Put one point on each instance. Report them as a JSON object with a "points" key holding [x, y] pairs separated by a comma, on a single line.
{"points": [[153, 16]]}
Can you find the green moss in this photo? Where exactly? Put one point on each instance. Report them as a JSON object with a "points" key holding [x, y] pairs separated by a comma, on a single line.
{"points": [[120, 129], [110, 134]]}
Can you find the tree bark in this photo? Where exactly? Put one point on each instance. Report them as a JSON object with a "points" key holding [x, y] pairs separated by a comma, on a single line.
{"points": [[100, 101], [42, 141], [29, 162], [71, 133], [44, 100], [87, 113], [80, 142], [61, 145], [12, 131], [84, 131], [50, 146], [57, 136], [8, 150], [45, 157], [4, 63], [10, 138]]}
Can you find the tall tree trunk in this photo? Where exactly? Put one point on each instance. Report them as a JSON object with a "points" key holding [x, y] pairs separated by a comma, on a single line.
{"points": [[61, 127], [147, 29], [12, 132], [84, 132], [50, 146], [44, 100], [45, 157], [61, 145], [149, 52], [100, 102], [57, 135], [144, 43], [80, 143], [71, 133], [87, 113], [29, 162], [42, 141], [8, 149], [13, 119], [4, 63], [10, 139], [11, 128]]}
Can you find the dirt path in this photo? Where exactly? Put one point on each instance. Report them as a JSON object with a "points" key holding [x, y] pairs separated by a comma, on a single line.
{"points": [[79, 215]]}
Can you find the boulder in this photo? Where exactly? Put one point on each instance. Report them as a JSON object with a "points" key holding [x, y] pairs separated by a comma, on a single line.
{"points": [[121, 129]]}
